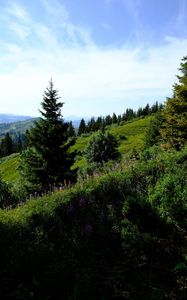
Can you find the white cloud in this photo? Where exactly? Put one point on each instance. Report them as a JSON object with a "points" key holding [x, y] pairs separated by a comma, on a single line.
{"points": [[17, 11], [91, 80]]}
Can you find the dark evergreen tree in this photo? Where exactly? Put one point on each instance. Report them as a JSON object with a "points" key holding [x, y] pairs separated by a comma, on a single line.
{"points": [[47, 160], [139, 112], [108, 120], [98, 123], [82, 127], [154, 108], [124, 117], [17, 145], [6, 145], [91, 125], [114, 119], [130, 114], [119, 119], [146, 110], [71, 129]]}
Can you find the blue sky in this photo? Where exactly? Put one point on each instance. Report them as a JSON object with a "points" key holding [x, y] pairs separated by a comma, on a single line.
{"points": [[103, 55]]}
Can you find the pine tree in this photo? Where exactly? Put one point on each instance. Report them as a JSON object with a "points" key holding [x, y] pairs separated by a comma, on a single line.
{"points": [[114, 119], [82, 127], [6, 145], [174, 127], [99, 123], [17, 145], [91, 125], [108, 120], [46, 159], [71, 129]]}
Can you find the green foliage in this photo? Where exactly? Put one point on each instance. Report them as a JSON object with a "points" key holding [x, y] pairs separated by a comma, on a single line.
{"points": [[6, 197], [153, 135], [174, 127], [169, 194], [104, 238], [101, 148]]}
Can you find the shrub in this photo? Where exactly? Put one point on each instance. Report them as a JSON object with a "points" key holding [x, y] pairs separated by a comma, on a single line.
{"points": [[102, 147], [6, 197]]}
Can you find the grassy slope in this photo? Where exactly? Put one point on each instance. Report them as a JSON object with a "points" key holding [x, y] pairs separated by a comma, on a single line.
{"points": [[133, 131], [8, 168]]}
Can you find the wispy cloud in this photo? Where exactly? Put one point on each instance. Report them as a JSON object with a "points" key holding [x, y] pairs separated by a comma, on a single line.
{"points": [[133, 7], [105, 25], [92, 80], [182, 15], [17, 11]]}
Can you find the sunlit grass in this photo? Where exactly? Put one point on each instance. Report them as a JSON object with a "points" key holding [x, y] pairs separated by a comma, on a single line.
{"points": [[9, 168]]}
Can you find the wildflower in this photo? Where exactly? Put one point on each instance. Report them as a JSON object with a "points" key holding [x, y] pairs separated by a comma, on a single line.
{"points": [[82, 202], [88, 228], [70, 209]]}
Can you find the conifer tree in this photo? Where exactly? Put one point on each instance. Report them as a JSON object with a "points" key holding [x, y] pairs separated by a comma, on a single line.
{"points": [[108, 120], [82, 127], [6, 145], [114, 118], [71, 129], [91, 125], [174, 127], [46, 159]]}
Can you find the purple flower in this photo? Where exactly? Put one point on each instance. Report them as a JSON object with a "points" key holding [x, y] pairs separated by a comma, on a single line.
{"points": [[82, 202], [70, 210], [88, 228]]}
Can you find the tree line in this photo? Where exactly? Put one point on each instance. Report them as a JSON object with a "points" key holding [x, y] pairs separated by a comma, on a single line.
{"points": [[100, 123], [12, 144], [18, 142]]}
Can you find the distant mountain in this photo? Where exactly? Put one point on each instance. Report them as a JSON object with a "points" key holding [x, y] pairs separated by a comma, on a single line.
{"points": [[10, 118], [14, 124], [14, 128]]}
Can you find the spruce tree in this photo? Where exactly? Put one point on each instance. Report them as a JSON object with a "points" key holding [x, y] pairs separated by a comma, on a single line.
{"points": [[71, 130], [114, 118], [174, 127], [82, 127], [6, 145], [46, 159]]}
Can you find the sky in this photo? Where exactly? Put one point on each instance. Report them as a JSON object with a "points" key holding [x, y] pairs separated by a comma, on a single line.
{"points": [[103, 55]]}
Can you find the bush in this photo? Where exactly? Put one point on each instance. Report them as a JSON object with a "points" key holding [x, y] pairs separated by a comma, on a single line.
{"points": [[6, 197], [102, 147]]}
